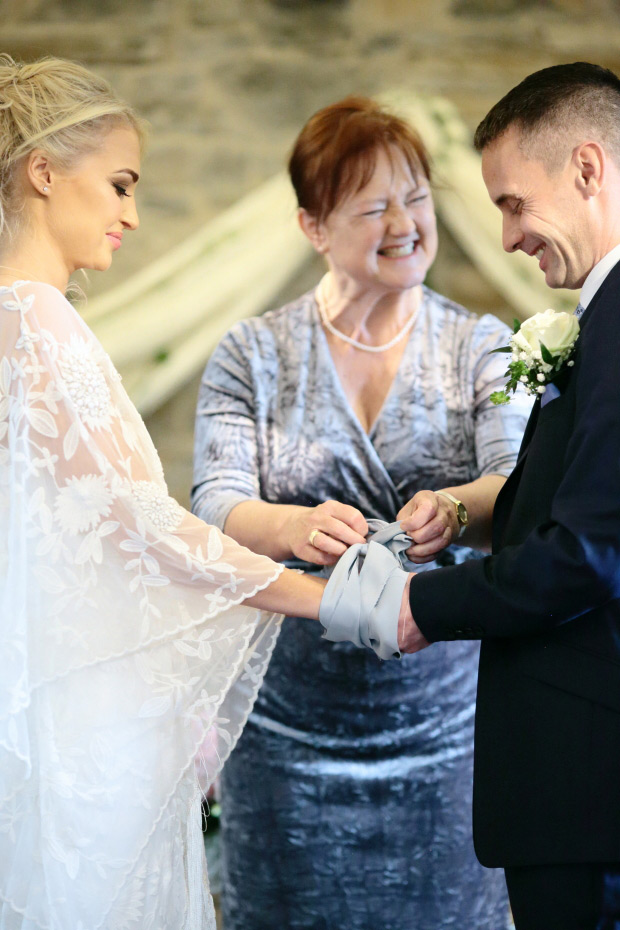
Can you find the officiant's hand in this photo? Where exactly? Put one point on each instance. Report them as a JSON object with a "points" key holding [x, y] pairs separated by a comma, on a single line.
{"points": [[322, 534], [430, 520]]}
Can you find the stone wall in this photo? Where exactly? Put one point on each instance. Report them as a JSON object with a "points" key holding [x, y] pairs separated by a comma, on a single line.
{"points": [[226, 84]]}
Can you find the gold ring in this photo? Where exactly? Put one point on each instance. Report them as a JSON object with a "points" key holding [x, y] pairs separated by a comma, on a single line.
{"points": [[313, 536]]}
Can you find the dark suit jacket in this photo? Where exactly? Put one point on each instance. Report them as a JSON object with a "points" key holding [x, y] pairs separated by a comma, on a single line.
{"points": [[546, 605]]}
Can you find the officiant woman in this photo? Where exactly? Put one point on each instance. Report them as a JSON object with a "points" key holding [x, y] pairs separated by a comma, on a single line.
{"points": [[346, 803]]}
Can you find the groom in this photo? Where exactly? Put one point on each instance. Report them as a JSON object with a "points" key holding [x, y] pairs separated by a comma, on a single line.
{"points": [[546, 603]]}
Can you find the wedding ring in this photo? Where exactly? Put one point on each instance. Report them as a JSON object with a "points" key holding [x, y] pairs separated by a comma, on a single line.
{"points": [[313, 536]]}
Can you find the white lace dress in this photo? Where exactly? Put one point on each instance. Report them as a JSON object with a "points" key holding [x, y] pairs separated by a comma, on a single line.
{"points": [[120, 639]]}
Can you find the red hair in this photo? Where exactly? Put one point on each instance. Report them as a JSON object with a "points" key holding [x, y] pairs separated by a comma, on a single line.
{"points": [[335, 153]]}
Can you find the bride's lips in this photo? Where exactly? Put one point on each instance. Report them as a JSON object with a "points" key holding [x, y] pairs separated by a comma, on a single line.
{"points": [[115, 239]]}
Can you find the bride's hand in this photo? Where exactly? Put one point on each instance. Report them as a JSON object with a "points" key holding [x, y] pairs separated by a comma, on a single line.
{"points": [[321, 534], [431, 522]]}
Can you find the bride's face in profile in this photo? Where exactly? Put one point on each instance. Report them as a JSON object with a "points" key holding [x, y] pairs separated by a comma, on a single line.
{"points": [[91, 205]]}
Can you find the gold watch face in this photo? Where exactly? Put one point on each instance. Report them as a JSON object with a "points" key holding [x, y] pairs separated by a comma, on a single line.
{"points": [[461, 513]]}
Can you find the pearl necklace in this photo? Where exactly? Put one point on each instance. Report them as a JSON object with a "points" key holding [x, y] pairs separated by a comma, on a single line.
{"points": [[364, 347]]}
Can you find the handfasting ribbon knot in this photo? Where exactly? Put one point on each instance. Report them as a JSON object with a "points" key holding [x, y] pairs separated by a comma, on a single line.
{"points": [[362, 599]]}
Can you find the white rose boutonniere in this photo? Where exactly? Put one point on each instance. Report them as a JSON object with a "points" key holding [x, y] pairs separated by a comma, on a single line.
{"points": [[541, 348]]}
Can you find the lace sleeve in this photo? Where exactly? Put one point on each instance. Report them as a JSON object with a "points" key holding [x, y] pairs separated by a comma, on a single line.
{"points": [[122, 634]]}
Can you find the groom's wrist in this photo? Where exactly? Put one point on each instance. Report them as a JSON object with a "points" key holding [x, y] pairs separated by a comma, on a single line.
{"points": [[410, 637]]}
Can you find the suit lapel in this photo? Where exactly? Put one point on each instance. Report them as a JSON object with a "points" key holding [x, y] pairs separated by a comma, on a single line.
{"points": [[508, 492], [504, 501], [529, 432]]}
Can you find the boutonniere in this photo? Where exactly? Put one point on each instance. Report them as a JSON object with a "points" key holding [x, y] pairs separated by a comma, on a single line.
{"points": [[541, 347]]}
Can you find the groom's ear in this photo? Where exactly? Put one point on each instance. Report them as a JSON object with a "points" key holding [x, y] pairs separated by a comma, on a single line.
{"points": [[313, 229], [590, 159]]}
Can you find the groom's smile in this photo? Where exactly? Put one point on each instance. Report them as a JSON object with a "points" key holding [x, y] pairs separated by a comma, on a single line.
{"points": [[540, 213]]}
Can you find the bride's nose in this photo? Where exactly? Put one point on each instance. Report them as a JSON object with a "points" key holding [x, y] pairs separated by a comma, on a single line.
{"points": [[130, 218]]}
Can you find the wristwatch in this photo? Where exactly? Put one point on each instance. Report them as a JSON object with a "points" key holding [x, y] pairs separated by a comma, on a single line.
{"points": [[461, 510]]}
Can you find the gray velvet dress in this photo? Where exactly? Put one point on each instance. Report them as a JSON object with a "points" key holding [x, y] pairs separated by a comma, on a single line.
{"points": [[346, 804]]}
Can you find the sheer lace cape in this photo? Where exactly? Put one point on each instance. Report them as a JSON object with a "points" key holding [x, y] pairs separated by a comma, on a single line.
{"points": [[123, 648]]}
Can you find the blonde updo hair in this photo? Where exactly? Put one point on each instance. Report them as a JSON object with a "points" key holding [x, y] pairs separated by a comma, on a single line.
{"points": [[59, 107]]}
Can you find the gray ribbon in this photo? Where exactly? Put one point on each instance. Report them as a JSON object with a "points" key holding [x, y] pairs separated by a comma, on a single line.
{"points": [[362, 599]]}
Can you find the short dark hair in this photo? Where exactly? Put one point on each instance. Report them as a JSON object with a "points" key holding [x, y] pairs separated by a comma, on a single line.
{"points": [[560, 98], [335, 153]]}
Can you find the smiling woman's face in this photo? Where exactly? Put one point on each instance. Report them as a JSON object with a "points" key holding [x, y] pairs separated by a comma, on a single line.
{"points": [[92, 204], [384, 237]]}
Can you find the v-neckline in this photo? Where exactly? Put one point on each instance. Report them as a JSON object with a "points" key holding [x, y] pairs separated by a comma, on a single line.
{"points": [[336, 377]]}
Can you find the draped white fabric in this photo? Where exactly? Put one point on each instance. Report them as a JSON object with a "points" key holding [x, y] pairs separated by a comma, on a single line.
{"points": [[120, 641]]}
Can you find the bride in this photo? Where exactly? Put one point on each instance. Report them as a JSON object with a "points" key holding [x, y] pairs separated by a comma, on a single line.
{"points": [[125, 620]]}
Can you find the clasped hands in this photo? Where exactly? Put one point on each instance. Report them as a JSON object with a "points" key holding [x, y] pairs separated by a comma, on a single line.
{"points": [[428, 519], [367, 598]]}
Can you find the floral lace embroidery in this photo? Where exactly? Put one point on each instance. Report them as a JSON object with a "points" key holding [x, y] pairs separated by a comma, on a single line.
{"points": [[80, 505], [162, 510], [122, 634], [22, 305], [85, 383]]}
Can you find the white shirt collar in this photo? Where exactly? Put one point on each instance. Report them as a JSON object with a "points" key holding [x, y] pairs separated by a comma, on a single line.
{"points": [[598, 275]]}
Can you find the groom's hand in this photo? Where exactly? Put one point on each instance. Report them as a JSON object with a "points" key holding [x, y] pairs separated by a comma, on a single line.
{"points": [[430, 520], [322, 534], [410, 637]]}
